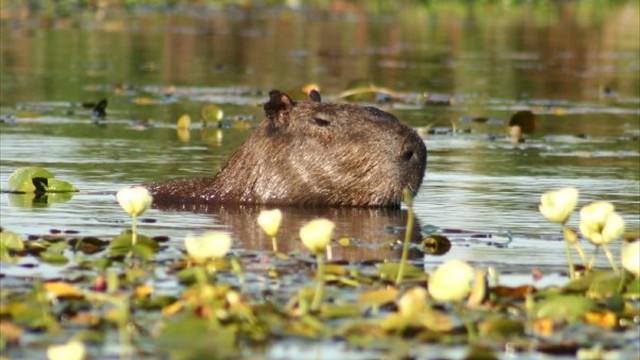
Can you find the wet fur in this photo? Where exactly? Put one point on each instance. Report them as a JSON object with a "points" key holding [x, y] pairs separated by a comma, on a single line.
{"points": [[313, 153]]}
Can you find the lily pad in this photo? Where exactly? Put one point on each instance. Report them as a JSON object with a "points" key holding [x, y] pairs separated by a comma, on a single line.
{"points": [[390, 271], [122, 245], [37, 180], [564, 307]]}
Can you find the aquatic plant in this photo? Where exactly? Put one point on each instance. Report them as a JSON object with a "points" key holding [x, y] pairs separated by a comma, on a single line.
{"points": [[451, 282], [630, 256], [208, 246], [73, 350], [269, 221], [408, 200], [134, 200], [557, 206], [315, 236], [600, 224]]}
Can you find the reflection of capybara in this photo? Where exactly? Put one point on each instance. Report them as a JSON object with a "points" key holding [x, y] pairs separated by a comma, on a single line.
{"points": [[313, 153]]}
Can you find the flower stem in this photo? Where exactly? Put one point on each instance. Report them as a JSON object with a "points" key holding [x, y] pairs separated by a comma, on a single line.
{"points": [[407, 234], [134, 231], [612, 261], [317, 296], [593, 257], [274, 244], [572, 272], [583, 257]]}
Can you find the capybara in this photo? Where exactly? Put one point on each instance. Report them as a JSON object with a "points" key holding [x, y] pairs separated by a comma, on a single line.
{"points": [[310, 153]]}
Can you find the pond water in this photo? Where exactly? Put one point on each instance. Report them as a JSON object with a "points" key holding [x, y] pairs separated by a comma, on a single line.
{"points": [[574, 64]]}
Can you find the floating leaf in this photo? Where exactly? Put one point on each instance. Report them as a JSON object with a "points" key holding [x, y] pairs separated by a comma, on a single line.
{"points": [[54, 254], [604, 285], [11, 241], [121, 246], [339, 311], [378, 297], [35, 179], [564, 307], [27, 179], [500, 327], [196, 338], [390, 270]]}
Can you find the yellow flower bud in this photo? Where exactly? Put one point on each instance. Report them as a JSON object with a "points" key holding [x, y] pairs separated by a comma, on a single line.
{"points": [[316, 234], [558, 205], [630, 253], [451, 281], [412, 301], [213, 244], [73, 350], [269, 221], [134, 200]]}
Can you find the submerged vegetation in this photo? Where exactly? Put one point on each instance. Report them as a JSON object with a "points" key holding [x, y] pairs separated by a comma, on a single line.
{"points": [[220, 307]]}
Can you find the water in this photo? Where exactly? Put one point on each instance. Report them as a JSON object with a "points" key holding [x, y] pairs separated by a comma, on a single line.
{"points": [[574, 64], [584, 80]]}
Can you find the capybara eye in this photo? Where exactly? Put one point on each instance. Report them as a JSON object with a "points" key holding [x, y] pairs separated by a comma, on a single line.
{"points": [[321, 122]]}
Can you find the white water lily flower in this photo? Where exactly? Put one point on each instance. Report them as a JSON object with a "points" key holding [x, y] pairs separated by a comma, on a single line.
{"points": [[134, 200], [630, 254], [73, 350], [316, 235], [412, 301], [269, 221], [558, 205], [599, 223], [210, 245], [451, 281]]}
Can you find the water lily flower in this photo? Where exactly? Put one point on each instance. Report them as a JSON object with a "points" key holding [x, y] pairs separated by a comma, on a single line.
{"points": [[135, 200], [558, 205], [316, 235], [269, 221], [412, 301], [600, 224], [451, 281], [592, 220], [73, 350], [630, 254], [211, 245]]}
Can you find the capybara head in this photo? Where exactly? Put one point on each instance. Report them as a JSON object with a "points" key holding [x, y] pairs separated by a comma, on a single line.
{"points": [[315, 153]]}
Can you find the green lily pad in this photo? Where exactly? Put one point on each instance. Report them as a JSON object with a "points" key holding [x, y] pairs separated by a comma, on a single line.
{"points": [[196, 338], [122, 245], [55, 254], [500, 327], [35, 179], [605, 285], [390, 270], [11, 241], [564, 307]]}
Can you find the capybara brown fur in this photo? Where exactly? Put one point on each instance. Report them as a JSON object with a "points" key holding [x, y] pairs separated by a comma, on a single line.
{"points": [[310, 153]]}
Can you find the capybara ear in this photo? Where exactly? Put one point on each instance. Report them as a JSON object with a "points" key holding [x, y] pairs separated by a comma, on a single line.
{"points": [[314, 95], [278, 102]]}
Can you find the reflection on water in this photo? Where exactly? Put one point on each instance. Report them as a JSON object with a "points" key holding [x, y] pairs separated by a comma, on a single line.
{"points": [[576, 66]]}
